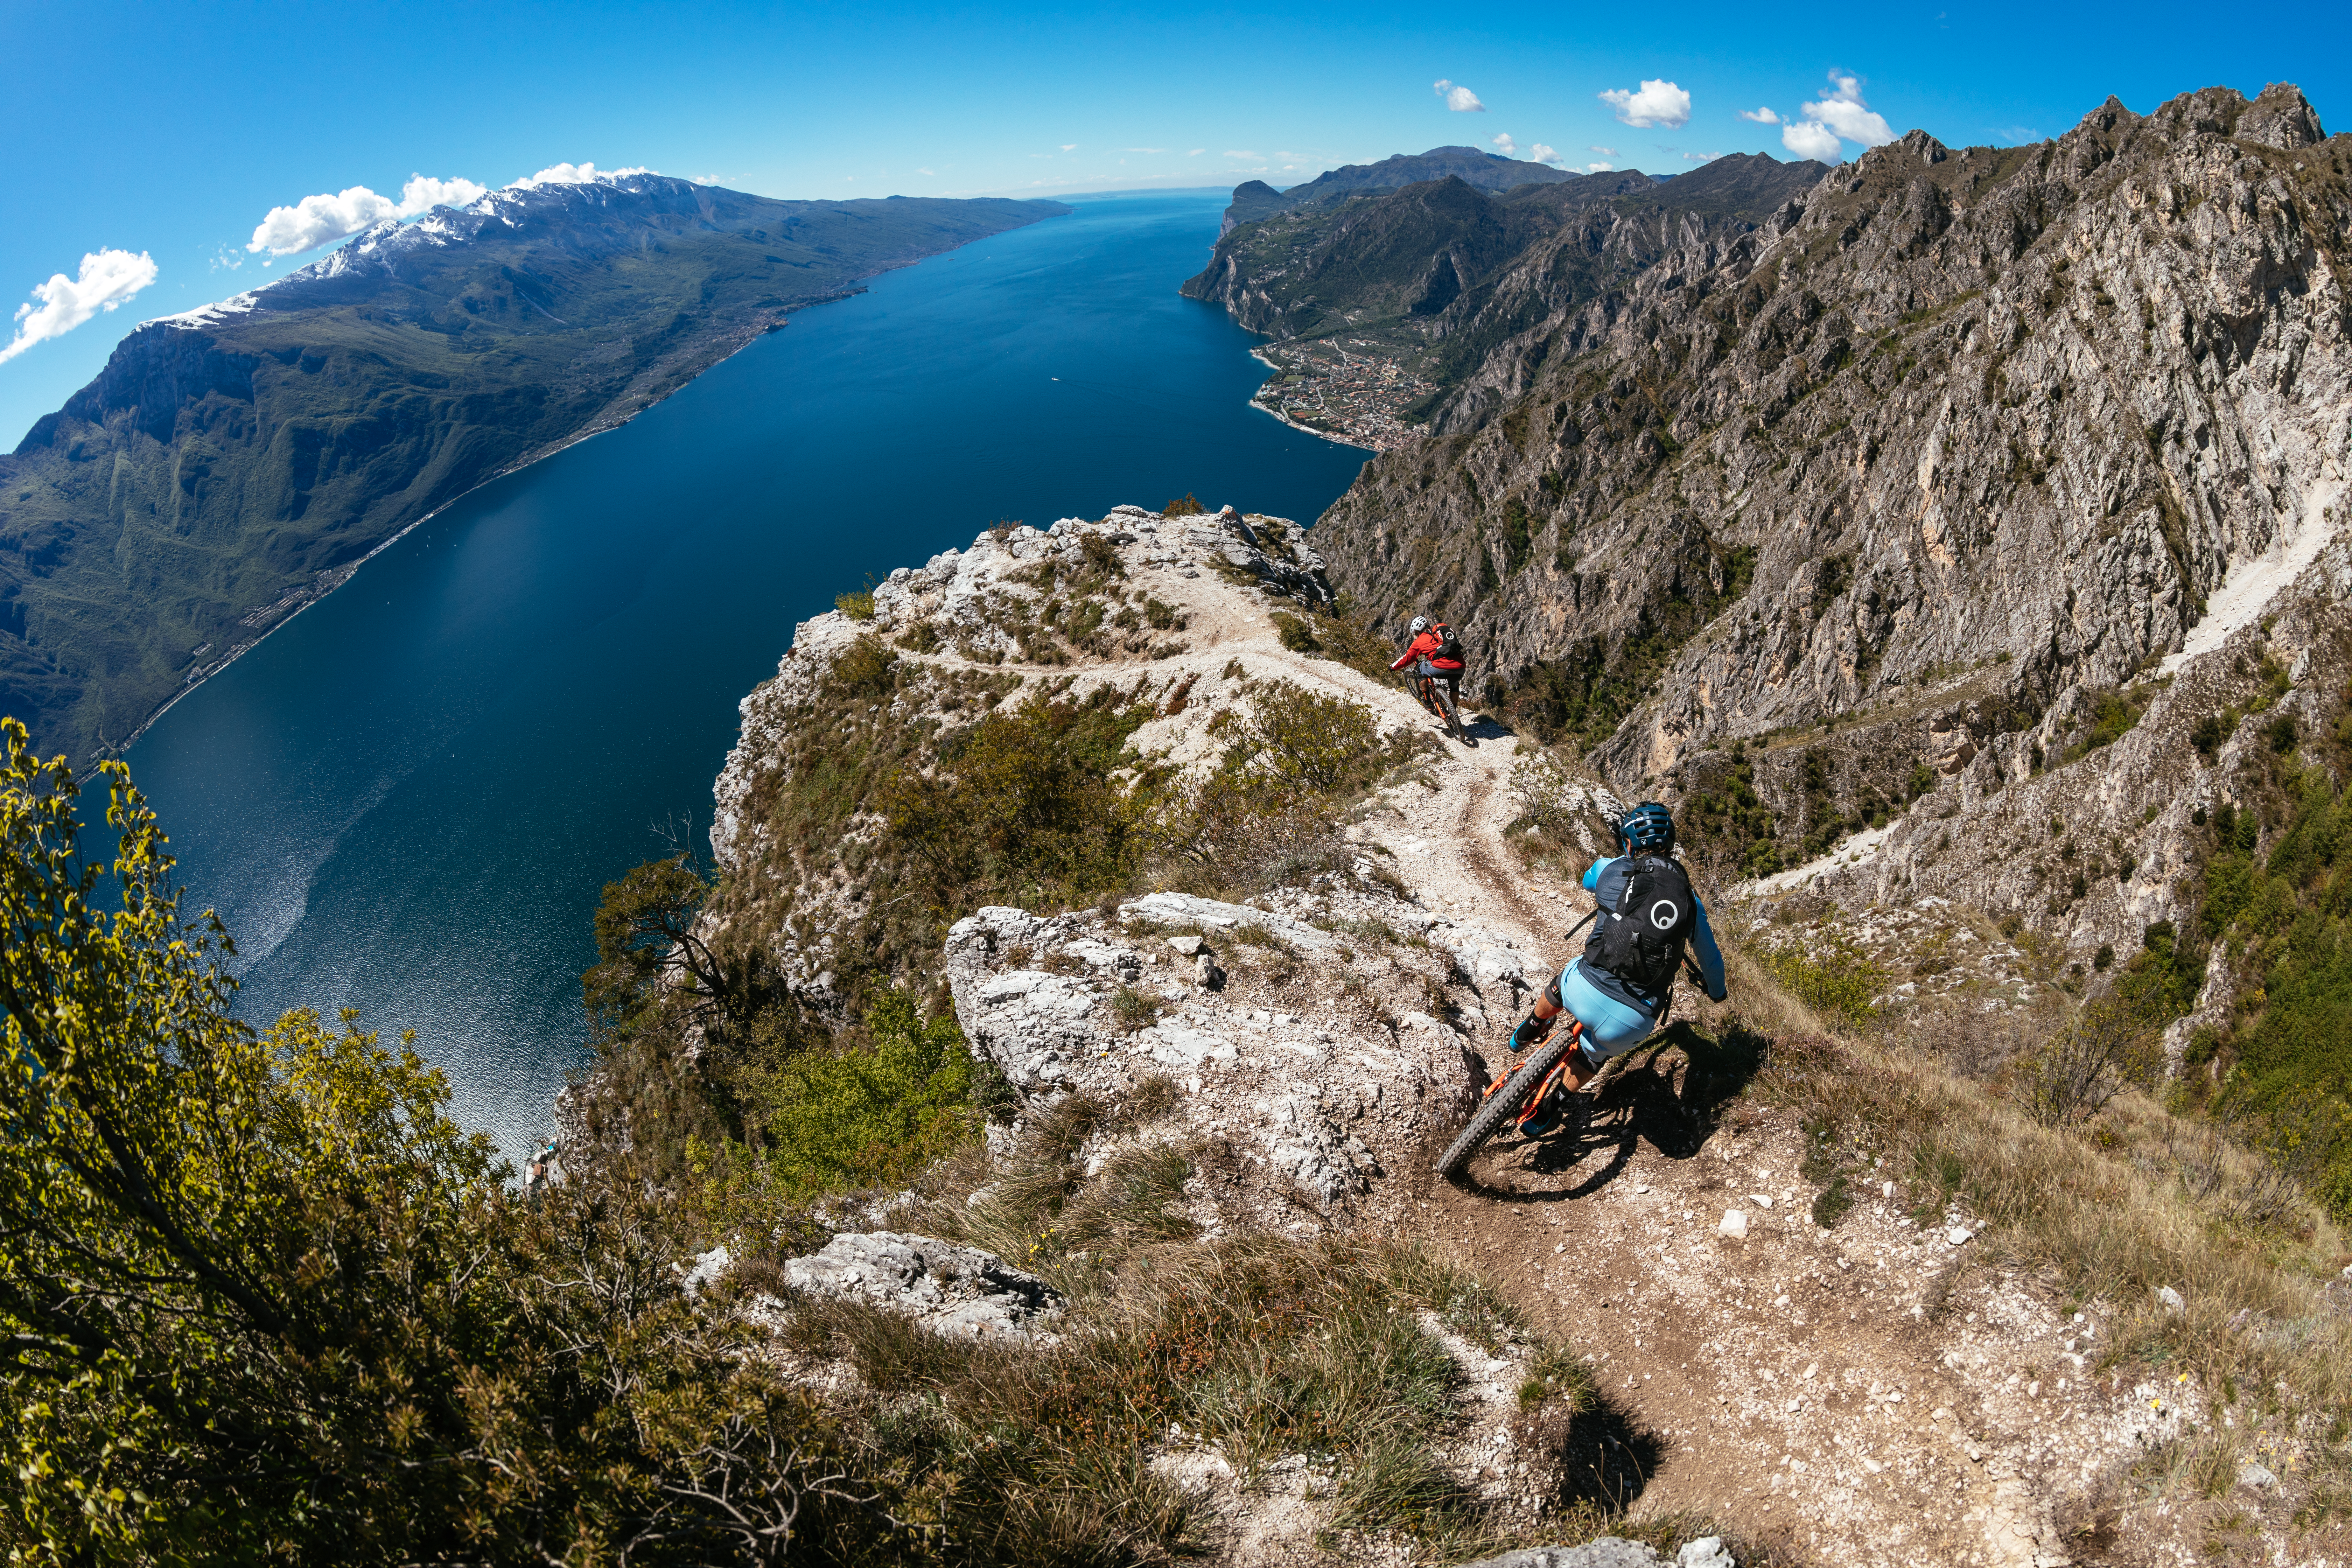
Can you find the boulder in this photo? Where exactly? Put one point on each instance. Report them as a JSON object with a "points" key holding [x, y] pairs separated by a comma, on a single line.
{"points": [[1607, 1552], [958, 1291]]}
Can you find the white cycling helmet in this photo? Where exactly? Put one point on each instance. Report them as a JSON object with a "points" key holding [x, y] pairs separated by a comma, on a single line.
{"points": [[1420, 625]]}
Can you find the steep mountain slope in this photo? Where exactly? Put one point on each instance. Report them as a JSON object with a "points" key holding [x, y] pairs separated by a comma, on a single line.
{"points": [[1415, 271], [232, 464], [1806, 1288], [1953, 445]]}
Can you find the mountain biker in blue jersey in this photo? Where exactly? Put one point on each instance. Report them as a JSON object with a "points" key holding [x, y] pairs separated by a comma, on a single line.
{"points": [[1617, 987]]}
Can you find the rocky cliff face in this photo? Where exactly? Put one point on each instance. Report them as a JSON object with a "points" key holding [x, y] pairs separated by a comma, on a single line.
{"points": [[1947, 452]]}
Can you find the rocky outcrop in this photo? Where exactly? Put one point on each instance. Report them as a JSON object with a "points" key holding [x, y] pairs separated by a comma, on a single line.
{"points": [[1312, 1093], [959, 1292], [967, 630], [2025, 412]]}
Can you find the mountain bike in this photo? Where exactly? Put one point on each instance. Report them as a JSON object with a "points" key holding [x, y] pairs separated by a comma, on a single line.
{"points": [[1529, 1092], [1532, 1096], [1435, 693]]}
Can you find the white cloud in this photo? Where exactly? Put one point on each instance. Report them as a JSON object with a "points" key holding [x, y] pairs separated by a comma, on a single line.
{"points": [[1544, 154], [422, 194], [1760, 116], [1196, 151], [1604, 151], [1069, 146], [1246, 157], [1143, 149], [1701, 157], [225, 261], [1458, 98], [107, 277], [1658, 103], [576, 175], [315, 220], [1807, 140], [1842, 109], [1599, 168], [319, 220], [1509, 148], [933, 172]]}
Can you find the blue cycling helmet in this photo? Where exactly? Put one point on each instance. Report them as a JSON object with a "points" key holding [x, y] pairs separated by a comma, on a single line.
{"points": [[1648, 829]]}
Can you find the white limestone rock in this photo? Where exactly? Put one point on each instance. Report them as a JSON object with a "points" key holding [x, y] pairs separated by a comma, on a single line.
{"points": [[959, 1292]]}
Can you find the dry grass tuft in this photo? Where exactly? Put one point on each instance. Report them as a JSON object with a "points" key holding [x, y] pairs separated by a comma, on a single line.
{"points": [[2113, 1202]]}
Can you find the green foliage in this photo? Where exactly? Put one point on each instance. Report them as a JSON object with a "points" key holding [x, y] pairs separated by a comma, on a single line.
{"points": [[2111, 1041], [1296, 635], [857, 604], [1298, 740], [1517, 532], [1023, 808], [1728, 826], [1582, 695], [1186, 505], [2280, 921], [261, 1301], [1826, 972], [864, 673], [866, 1112]]}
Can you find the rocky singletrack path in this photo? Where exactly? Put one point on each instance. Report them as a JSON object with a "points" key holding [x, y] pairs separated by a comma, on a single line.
{"points": [[1856, 1393]]}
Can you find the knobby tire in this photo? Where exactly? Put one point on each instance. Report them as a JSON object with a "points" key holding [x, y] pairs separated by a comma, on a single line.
{"points": [[1505, 1102], [1446, 710]]}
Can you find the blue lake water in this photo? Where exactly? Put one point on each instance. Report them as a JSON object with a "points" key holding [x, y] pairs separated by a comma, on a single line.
{"points": [[408, 800]]}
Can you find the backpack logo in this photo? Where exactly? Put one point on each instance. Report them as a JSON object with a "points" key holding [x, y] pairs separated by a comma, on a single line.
{"points": [[1665, 915]]}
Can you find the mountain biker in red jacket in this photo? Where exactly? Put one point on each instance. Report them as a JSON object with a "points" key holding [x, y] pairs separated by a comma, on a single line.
{"points": [[1422, 651]]}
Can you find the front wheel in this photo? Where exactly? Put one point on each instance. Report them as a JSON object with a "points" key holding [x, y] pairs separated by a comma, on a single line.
{"points": [[1504, 1102]]}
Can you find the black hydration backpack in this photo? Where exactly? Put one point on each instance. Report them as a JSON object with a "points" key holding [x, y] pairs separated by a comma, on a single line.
{"points": [[1449, 646], [1656, 911]]}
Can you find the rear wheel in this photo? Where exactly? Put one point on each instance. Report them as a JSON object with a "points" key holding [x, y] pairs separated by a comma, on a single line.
{"points": [[1504, 1103], [1446, 710]]}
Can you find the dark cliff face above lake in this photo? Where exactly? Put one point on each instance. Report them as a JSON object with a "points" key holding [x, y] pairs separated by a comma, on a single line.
{"points": [[230, 465]]}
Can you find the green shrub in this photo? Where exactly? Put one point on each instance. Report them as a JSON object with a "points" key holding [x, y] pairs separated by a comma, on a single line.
{"points": [[857, 604], [1296, 635], [1294, 741], [1185, 505], [869, 1111], [1838, 981], [1023, 808], [2113, 1041]]}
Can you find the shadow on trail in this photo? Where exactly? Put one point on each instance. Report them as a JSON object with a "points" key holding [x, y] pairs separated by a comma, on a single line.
{"points": [[1670, 1094], [1607, 1458]]}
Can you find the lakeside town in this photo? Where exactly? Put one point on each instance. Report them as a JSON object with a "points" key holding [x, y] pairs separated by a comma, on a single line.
{"points": [[1357, 397]]}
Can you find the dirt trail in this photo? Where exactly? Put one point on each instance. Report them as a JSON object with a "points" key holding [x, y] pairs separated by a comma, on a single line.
{"points": [[1879, 1392]]}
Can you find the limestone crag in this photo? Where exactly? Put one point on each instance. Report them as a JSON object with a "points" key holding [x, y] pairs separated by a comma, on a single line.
{"points": [[1901, 486], [959, 1292], [976, 619], [1312, 1094]]}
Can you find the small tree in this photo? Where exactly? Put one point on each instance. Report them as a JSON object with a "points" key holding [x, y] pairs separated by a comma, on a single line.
{"points": [[2072, 1076]]}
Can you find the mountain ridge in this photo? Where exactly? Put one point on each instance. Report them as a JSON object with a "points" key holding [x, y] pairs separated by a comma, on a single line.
{"points": [[232, 464]]}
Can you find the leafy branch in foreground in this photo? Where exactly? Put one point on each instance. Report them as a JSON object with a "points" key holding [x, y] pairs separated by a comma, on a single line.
{"points": [[262, 1301]]}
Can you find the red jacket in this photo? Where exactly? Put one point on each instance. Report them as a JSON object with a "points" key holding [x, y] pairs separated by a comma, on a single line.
{"points": [[1425, 646]]}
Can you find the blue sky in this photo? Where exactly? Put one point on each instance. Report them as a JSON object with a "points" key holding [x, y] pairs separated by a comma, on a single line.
{"points": [[155, 139]]}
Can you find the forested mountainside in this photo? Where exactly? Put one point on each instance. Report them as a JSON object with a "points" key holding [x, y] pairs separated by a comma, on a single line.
{"points": [[1436, 273], [230, 465]]}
